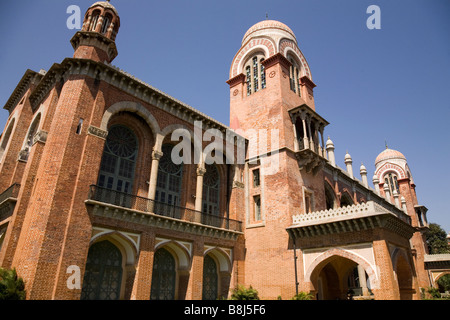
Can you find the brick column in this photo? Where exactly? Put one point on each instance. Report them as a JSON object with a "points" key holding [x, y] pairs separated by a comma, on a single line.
{"points": [[388, 286], [196, 277], [144, 269]]}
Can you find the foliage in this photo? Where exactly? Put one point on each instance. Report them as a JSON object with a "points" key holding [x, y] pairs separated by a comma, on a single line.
{"points": [[444, 283], [11, 286], [303, 296], [242, 293], [436, 239], [434, 293]]}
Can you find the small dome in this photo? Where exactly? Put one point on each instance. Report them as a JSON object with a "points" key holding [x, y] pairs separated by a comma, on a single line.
{"points": [[362, 168], [329, 144], [389, 154], [105, 4], [347, 157], [267, 25]]}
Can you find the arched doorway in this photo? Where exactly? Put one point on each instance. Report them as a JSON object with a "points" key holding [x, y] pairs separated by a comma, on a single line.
{"points": [[103, 275], [340, 275], [163, 276], [404, 278]]}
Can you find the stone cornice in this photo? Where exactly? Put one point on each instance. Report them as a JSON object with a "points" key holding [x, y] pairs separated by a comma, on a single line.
{"points": [[28, 78], [129, 84], [276, 58], [239, 79]]}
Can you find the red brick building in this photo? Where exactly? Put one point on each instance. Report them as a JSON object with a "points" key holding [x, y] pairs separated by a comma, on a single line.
{"points": [[94, 204]]}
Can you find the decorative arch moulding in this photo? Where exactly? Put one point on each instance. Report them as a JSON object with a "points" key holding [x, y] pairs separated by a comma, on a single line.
{"points": [[387, 167]]}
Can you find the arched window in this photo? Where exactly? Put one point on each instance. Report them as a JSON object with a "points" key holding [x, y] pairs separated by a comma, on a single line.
{"points": [[31, 132], [391, 180], [255, 74], [168, 185], [294, 75], [118, 160], [163, 276], [103, 275], [94, 20], [105, 24], [5, 138], [210, 279], [211, 188]]}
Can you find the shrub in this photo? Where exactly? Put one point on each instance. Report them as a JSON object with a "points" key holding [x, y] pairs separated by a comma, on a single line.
{"points": [[303, 296], [11, 286], [242, 293]]}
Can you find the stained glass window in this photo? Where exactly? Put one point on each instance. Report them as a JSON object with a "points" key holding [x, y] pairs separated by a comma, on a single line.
{"points": [[118, 160], [210, 279], [163, 276], [168, 185], [103, 275]]}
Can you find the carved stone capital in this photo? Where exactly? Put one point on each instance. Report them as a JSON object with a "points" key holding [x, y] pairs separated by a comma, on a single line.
{"points": [[156, 155], [201, 171]]}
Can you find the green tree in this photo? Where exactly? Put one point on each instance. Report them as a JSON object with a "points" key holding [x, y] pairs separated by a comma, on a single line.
{"points": [[436, 239], [444, 283], [11, 286], [242, 293]]}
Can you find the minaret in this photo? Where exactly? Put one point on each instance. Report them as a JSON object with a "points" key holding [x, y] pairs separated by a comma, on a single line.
{"points": [[96, 40]]}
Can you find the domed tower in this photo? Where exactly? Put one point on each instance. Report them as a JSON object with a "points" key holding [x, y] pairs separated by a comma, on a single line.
{"points": [[271, 87], [272, 105], [96, 40], [395, 182]]}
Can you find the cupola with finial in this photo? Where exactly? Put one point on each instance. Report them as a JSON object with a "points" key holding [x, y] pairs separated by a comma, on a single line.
{"points": [[96, 39]]}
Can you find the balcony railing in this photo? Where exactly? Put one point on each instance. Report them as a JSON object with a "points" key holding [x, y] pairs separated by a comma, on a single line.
{"points": [[8, 200], [142, 204]]}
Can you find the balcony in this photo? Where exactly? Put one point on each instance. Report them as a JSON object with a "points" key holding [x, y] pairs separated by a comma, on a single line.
{"points": [[132, 208], [8, 199], [354, 218]]}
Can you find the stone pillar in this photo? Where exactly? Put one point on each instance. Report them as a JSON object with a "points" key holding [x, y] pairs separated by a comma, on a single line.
{"points": [[199, 191], [363, 280], [156, 156], [296, 146], [322, 153], [305, 134]]}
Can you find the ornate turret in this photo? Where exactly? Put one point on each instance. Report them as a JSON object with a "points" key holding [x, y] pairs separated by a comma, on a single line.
{"points": [[96, 40]]}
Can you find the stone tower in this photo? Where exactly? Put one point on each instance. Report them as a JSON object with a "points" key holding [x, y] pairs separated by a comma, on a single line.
{"points": [[395, 182], [272, 105], [56, 227]]}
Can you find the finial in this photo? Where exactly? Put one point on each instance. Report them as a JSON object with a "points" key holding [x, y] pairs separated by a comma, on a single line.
{"points": [[267, 16], [385, 143]]}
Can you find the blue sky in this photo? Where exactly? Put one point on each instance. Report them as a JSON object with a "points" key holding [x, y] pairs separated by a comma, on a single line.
{"points": [[373, 86]]}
